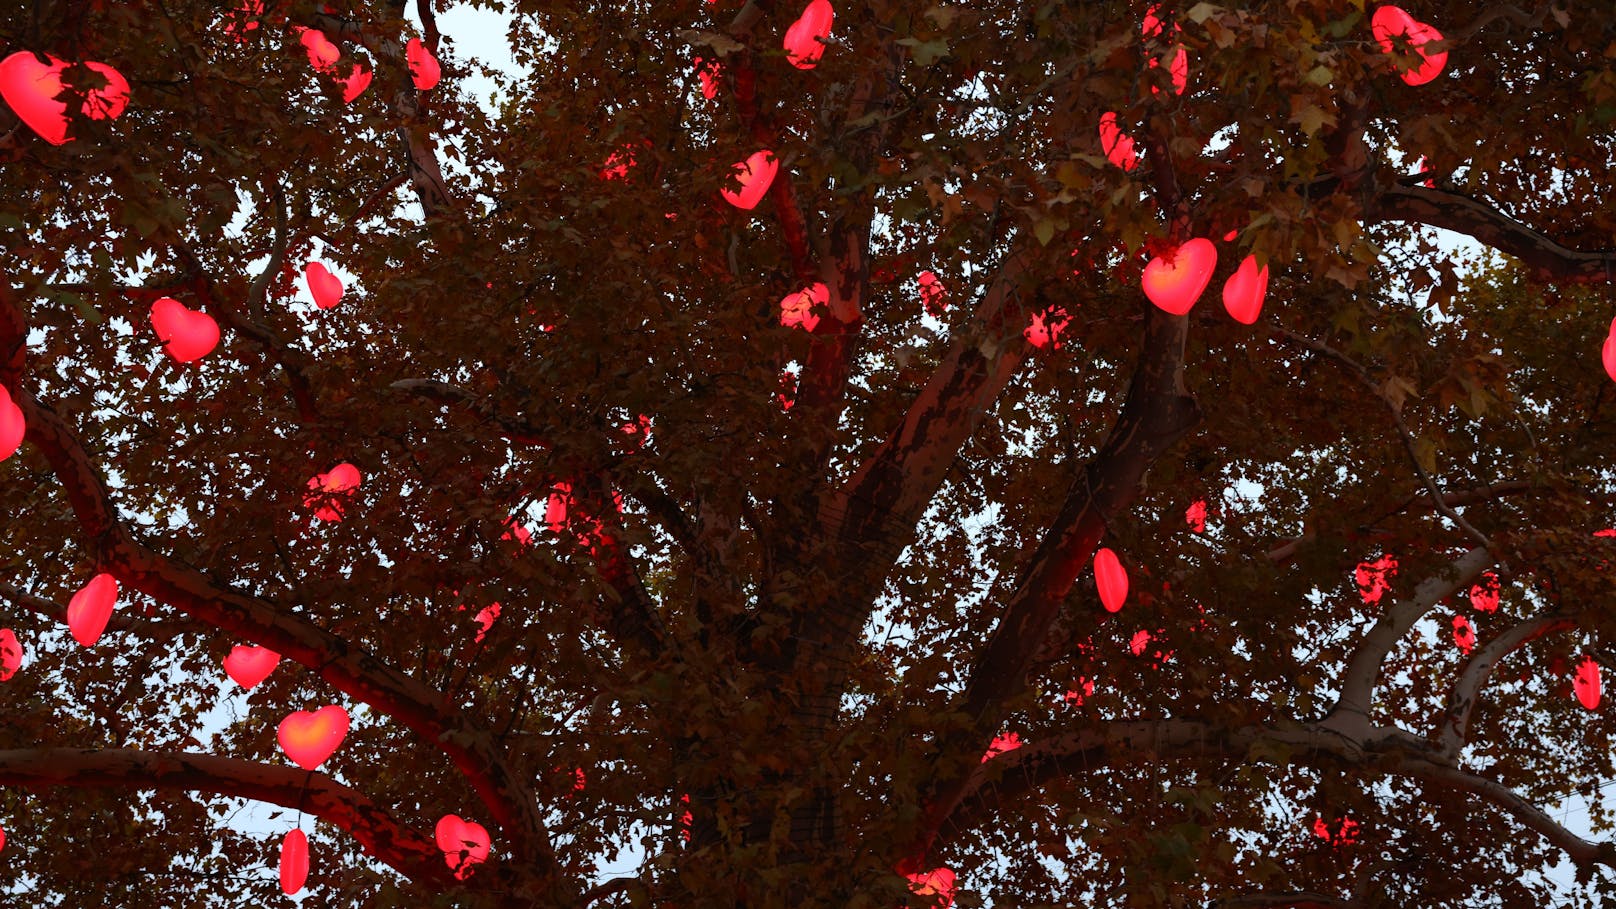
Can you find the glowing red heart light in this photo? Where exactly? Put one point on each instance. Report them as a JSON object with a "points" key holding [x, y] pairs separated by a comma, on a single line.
{"points": [[12, 427], [248, 665], [294, 862], [424, 69], [555, 507], [30, 87], [1009, 741], [1389, 22], [1244, 291], [1044, 328], [1174, 281], [939, 882], [1587, 683], [932, 295], [322, 53], [797, 310], [1344, 832], [309, 737], [1083, 691], [1117, 145], [711, 74], [514, 530], [1111, 579], [355, 84], [1139, 641], [10, 654], [485, 620], [187, 336], [91, 608], [463, 844], [1373, 578], [1484, 595], [755, 174], [804, 41], [324, 287], [1464, 636], [1607, 356], [1195, 516], [243, 19], [342, 479]]}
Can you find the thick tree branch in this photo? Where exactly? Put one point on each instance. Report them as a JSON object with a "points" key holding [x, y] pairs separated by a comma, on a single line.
{"points": [[1352, 713], [406, 851], [1467, 689]]}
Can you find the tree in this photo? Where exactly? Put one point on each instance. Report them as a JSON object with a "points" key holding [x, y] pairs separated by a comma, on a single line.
{"points": [[634, 526]]}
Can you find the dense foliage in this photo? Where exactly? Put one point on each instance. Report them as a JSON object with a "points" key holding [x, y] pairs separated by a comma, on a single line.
{"points": [[776, 565]]}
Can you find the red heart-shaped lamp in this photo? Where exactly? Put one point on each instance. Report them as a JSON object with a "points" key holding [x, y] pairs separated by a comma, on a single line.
{"points": [[10, 654], [30, 87], [755, 174], [939, 882], [91, 608], [1117, 145], [1044, 328], [243, 19], [343, 478], [1587, 683], [1244, 291], [249, 665], [463, 844], [932, 295], [12, 427], [424, 68], [294, 862], [797, 310], [187, 336], [485, 620], [1484, 595], [324, 287], [711, 74], [804, 41], [1195, 516], [1464, 636], [1111, 579], [309, 737], [355, 84], [1390, 22], [1174, 281], [1607, 355], [555, 507], [322, 53]]}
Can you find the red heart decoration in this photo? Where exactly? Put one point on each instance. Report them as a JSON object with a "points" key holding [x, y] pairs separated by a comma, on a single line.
{"points": [[322, 53], [308, 738], [805, 39], [1464, 636], [243, 19], [12, 427], [324, 287], [485, 620], [555, 507], [1117, 145], [341, 479], [1244, 291], [1083, 691], [10, 654], [755, 174], [515, 530], [1044, 328], [1374, 578], [91, 608], [1174, 281], [1587, 683], [1484, 596], [932, 295], [1111, 579], [1389, 22], [354, 86], [1195, 516], [463, 844], [31, 88], [1607, 355], [424, 68], [797, 310], [1345, 831], [711, 74], [938, 882], [249, 665], [187, 336], [294, 862]]}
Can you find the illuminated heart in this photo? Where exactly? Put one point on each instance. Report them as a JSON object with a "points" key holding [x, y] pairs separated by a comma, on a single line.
{"points": [[462, 843], [352, 87], [805, 38], [555, 507], [12, 427], [10, 654], [322, 53], [1344, 832], [243, 19], [797, 310], [1044, 328], [187, 336], [939, 883], [1484, 596], [1111, 579], [91, 608], [711, 74], [342, 479], [1390, 22], [485, 620], [424, 68], [1083, 691], [1244, 291], [754, 175], [1178, 71], [324, 287], [309, 737], [249, 665], [617, 164], [1139, 641], [1607, 355], [1587, 683], [1373, 578], [515, 530], [1195, 516], [30, 87], [1175, 280], [1009, 741], [294, 862], [1464, 636], [932, 295], [1117, 145]]}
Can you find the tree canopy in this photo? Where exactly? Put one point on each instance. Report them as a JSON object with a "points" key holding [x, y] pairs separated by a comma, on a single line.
{"points": [[782, 454]]}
